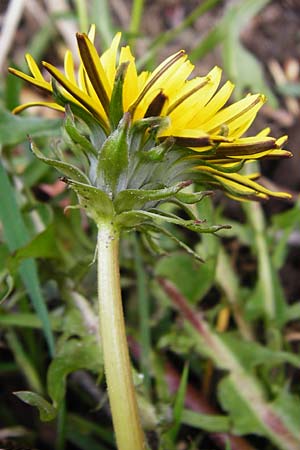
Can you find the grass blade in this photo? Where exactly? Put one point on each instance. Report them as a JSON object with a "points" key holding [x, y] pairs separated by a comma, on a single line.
{"points": [[143, 305], [16, 236]]}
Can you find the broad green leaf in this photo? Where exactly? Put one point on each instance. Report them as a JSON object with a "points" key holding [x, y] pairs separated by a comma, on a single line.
{"points": [[41, 246], [191, 278], [242, 413], [46, 410], [278, 421], [287, 406], [75, 354], [252, 354], [212, 423], [14, 129]]}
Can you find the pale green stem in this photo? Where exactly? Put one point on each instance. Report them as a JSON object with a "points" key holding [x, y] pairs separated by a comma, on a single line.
{"points": [[123, 404], [257, 220]]}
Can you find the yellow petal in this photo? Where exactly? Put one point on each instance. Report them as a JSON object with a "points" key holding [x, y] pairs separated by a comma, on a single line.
{"points": [[130, 86], [109, 60], [69, 67], [92, 33], [76, 93], [189, 88], [34, 67], [158, 79], [94, 69], [212, 107], [191, 107], [36, 82], [241, 184], [50, 105], [235, 115], [190, 138]]}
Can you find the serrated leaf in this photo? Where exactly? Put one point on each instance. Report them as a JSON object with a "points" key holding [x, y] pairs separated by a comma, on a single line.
{"points": [[75, 354], [212, 423], [234, 403], [252, 354], [192, 279], [14, 129], [287, 406], [65, 168], [41, 246], [46, 410]]}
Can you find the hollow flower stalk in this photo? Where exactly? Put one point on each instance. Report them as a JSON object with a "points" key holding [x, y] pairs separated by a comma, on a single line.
{"points": [[141, 139]]}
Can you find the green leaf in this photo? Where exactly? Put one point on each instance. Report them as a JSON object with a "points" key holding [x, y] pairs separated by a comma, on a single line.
{"points": [[46, 410], [65, 168], [212, 423], [287, 406], [192, 279], [16, 235], [14, 129], [41, 246], [244, 419], [75, 354], [252, 354], [179, 404]]}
